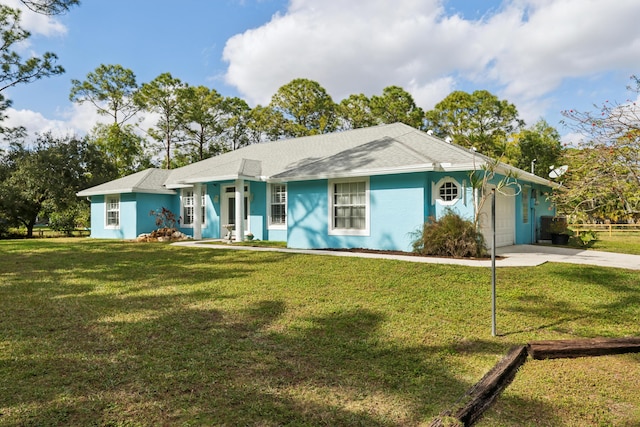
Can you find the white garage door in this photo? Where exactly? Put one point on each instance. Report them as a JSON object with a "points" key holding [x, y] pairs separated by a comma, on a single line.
{"points": [[505, 218]]}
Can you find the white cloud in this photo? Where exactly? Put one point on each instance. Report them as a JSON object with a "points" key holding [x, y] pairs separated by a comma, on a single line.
{"points": [[35, 122], [429, 94], [37, 23], [76, 120], [351, 48], [574, 139], [522, 51], [549, 41]]}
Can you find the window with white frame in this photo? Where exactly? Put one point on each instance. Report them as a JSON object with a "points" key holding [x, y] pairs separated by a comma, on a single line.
{"points": [[278, 205], [188, 207], [112, 211], [447, 191], [349, 213], [525, 205]]}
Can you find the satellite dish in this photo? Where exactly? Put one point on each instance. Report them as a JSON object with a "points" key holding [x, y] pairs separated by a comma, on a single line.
{"points": [[558, 172], [430, 132]]}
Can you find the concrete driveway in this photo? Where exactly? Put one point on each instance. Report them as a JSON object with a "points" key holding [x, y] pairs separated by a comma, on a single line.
{"points": [[509, 256], [521, 255]]}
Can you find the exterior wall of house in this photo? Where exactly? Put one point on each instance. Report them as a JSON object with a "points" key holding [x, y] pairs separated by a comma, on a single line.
{"points": [[397, 208], [463, 205], [134, 215], [145, 203], [98, 220], [539, 205], [276, 235], [398, 205], [211, 227], [307, 215], [258, 210], [127, 227], [212, 222]]}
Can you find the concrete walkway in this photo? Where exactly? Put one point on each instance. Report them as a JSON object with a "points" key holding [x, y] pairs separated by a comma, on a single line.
{"points": [[523, 254], [509, 256]]}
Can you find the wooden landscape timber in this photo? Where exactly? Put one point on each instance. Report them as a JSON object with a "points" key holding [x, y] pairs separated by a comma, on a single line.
{"points": [[479, 397], [555, 349]]}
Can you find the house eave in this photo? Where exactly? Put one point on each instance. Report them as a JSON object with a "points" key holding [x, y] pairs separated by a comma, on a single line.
{"points": [[501, 169], [88, 193], [188, 183], [527, 176]]}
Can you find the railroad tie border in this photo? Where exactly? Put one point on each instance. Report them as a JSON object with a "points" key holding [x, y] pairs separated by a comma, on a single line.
{"points": [[468, 410]]}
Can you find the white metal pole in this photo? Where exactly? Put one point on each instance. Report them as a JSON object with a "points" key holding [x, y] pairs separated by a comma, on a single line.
{"points": [[493, 262]]}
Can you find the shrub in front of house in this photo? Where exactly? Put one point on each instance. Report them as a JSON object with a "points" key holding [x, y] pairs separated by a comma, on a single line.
{"points": [[451, 236]]}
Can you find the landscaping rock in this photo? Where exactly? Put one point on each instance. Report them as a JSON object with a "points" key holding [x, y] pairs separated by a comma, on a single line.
{"points": [[163, 235]]}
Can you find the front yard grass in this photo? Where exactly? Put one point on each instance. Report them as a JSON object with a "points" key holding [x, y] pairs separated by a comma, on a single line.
{"points": [[116, 333], [627, 242]]}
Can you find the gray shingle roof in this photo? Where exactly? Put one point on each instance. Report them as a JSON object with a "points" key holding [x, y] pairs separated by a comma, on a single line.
{"points": [[376, 150], [146, 181]]}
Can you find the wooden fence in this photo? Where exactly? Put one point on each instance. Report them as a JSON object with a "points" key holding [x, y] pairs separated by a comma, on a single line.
{"points": [[46, 232], [606, 228]]}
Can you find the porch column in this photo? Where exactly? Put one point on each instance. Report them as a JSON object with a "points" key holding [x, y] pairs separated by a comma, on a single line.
{"points": [[197, 212], [239, 210]]}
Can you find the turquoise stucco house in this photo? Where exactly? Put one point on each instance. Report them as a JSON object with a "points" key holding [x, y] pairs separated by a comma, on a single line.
{"points": [[363, 188]]}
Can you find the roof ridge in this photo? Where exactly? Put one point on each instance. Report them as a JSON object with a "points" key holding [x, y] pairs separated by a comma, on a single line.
{"points": [[412, 150]]}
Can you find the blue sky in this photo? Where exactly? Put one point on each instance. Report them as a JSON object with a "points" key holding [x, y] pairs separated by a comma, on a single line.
{"points": [[544, 56]]}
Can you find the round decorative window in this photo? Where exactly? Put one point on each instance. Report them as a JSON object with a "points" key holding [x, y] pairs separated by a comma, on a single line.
{"points": [[448, 191]]}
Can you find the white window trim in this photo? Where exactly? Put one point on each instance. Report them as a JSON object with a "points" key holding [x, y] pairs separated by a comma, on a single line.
{"points": [[203, 207], [526, 204], [107, 210], [436, 191], [278, 226], [348, 231]]}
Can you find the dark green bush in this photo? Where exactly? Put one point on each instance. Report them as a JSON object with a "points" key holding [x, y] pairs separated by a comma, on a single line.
{"points": [[451, 236]]}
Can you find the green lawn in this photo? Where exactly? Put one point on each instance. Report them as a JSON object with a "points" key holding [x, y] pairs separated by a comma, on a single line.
{"points": [[126, 334], [627, 242]]}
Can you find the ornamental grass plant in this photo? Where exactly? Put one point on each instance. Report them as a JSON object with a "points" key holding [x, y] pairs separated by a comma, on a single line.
{"points": [[449, 236]]}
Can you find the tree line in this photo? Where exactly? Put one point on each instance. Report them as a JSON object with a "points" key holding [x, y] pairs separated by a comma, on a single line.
{"points": [[196, 122]]}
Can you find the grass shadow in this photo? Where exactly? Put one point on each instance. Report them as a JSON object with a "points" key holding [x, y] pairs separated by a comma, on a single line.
{"points": [[156, 335]]}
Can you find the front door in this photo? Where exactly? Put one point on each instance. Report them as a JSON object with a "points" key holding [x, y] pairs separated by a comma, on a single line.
{"points": [[229, 208]]}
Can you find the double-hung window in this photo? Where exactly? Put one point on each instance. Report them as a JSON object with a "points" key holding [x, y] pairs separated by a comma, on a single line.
{"points": [[188, 207], [349, 207], [112, 211], [278, 205]]}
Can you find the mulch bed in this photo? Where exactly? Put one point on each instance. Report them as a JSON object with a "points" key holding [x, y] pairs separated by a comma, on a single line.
{"points": [[414, 254]]}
